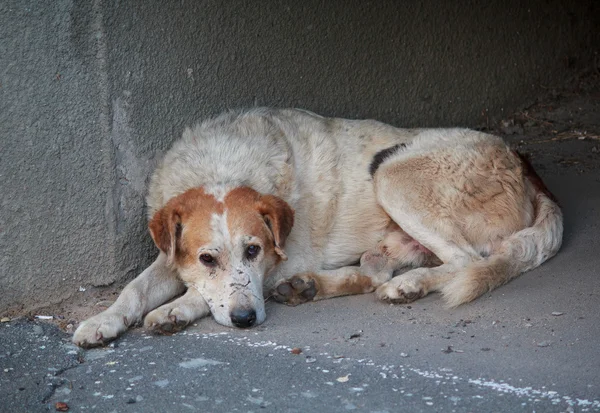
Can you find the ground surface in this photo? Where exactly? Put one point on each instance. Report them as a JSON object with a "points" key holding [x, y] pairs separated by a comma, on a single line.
{"points": [[532, 345]]}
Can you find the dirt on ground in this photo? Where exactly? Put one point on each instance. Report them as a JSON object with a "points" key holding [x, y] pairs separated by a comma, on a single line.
{"points": [[559, 132]]}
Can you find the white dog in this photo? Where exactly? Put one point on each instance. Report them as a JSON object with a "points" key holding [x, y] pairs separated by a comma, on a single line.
{"points": [[458, 205]]}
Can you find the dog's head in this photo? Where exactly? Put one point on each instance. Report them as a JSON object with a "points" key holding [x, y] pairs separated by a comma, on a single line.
{"points": [[225, 249]]}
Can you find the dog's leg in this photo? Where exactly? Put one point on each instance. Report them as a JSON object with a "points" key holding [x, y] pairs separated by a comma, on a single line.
{"points": [[151, 288], [419, 282], [415, 284], [397, 250], [176, 315], [313, 286]]}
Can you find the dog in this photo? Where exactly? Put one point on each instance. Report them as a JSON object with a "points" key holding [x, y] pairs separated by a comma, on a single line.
{"points": [[289, 204]]}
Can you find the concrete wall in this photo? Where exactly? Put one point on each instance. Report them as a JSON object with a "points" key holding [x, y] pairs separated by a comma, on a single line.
{"points": [[92, 92]]}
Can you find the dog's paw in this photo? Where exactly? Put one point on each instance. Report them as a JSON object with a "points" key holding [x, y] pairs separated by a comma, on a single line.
{"points": [[166, 320], [378, 267], [400, 290], [99, 330], [296, 290], [373, 263]]}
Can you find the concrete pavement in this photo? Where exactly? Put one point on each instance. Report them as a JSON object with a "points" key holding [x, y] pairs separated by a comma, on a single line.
{"points": [[531, 345]]}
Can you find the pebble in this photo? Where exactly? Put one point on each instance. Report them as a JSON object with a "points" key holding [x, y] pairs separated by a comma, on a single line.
{"points": [[543, 344], [556, 313], [353, 335], [4, 320]]}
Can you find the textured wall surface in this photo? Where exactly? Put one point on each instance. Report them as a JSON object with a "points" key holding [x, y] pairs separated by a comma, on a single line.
{"points": [[91, 93]]}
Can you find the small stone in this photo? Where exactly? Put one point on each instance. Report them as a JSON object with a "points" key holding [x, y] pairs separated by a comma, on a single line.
{"points": [[343, 379], [296, 351], [131, 401], [557, 313], [403, 355], [4, 320], [310, 359], [61, 407], [543, 344], [353, 335]]}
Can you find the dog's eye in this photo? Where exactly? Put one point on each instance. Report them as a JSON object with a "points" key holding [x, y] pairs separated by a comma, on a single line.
{"points": [[252, 251], [207, 259]]}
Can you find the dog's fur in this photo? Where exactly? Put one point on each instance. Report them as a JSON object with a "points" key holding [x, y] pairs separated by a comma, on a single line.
{"points": [[311, 208]]}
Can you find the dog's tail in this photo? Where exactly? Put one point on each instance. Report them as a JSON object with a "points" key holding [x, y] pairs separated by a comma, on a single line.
{"points": [[519, 252]]}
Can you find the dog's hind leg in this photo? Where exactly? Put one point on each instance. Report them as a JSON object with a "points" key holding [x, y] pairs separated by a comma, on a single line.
{"points": [[176, 315], [463, 202], [395, 251], [151, 288], [399, 250]]}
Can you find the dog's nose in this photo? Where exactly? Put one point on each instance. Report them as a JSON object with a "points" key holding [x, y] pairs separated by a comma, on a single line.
{"points": [[242, 318]]}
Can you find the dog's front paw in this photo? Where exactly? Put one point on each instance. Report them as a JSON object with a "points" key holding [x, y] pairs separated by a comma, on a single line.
{"points": [[99, 330], [400, 290], [296, 290], [167, 320]]}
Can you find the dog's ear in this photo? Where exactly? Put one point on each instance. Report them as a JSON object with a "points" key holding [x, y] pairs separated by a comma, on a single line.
{"points": [[279, 217], [165, 228]]}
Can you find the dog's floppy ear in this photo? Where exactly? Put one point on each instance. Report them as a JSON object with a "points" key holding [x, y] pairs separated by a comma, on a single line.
{"points": [[279, 217], [165, 228]]}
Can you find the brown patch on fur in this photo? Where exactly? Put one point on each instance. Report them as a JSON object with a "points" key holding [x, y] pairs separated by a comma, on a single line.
{"points": [[191, 210], [353, 284], [244, 205], [472, 202], [533, 177]]}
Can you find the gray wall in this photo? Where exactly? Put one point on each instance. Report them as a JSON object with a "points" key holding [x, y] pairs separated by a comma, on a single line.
{"points": [[92, 92]]}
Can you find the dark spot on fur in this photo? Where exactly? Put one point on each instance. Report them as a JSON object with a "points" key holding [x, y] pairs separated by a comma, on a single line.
{"points": [[381, 156], [533, 177]]}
